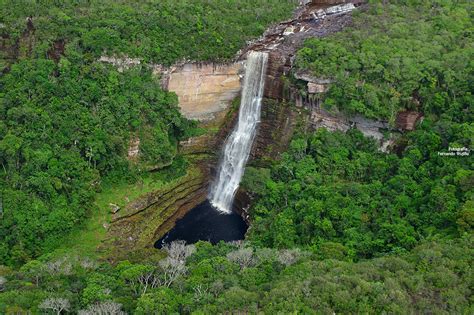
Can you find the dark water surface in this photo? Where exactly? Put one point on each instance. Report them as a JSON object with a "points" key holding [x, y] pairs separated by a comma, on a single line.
{"points": [[204, 223]]}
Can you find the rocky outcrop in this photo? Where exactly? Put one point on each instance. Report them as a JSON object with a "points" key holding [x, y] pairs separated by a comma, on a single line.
{"points": [[283, 40], [205, 91], [57, 50], [314, 85], [330, 2], [375, 129], [147, 218], [133, 148], [407, 120], [122, 63], [278, 123]]}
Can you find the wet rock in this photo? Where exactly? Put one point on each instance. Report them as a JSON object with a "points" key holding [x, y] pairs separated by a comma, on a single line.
{"points": [[114, 208], [314, 88], [407, 120], [283, 40]]}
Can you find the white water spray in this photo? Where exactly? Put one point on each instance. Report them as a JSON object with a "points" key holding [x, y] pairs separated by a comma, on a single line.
{"points": [[238, 145]]}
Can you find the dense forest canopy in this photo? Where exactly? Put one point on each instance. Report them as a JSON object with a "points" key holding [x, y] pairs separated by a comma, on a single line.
{"points": [[231, 278], [337, 226], [60, 133], [66, 119], [402, 55], [159, 31], [338, 192]]}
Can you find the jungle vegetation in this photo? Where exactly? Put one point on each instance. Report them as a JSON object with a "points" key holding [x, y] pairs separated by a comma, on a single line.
{"points": [[337, 226], [413, 55], [66, 119]]}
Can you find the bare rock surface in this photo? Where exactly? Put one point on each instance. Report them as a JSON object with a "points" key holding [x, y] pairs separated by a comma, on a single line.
{"points": [[205, 90]]}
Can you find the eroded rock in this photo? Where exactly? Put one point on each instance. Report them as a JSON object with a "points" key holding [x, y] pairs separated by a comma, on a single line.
{"points": [[122, 63], [314, 88], [114, 208], [205, 90], [133, 148], [407, 120]]}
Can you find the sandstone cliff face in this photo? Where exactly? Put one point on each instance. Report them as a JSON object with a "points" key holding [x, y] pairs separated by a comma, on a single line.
{"points": [[278, 122], [407, 120], [146, 219], [205, 90]]}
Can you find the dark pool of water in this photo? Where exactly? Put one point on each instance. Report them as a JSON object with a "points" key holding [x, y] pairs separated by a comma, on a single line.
{"points": [[204, 223]]}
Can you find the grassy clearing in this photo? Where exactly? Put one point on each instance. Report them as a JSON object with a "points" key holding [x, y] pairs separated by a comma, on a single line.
{"points": [[86, 239]]}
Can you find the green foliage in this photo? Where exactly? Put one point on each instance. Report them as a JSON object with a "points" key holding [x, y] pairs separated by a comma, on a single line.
{"points": [[163, 31], [335, 187], [337, 226], [65, 128], [399, 56], [65, 125], [432, 277], [163, 301], [255, 179], [336, 193]]}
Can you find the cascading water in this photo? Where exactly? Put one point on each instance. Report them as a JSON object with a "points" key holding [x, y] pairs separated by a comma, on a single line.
{"points": [[238, 145]]}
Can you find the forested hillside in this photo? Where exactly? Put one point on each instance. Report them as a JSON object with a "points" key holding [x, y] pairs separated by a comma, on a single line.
{"points": [[336, 192], [155, 31], [336, 225], [231, 278], [409, 55], [66, 119]]}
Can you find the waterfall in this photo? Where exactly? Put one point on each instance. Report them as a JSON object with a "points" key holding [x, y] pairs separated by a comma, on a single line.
{"points": [[237, 147]]}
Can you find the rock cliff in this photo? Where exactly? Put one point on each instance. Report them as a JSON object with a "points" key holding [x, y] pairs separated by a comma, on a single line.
{"points": [[282, 41], [205, 91], [150, 216]]}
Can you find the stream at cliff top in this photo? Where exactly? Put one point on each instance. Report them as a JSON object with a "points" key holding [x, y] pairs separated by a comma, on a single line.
{"points": [[205, 223]]}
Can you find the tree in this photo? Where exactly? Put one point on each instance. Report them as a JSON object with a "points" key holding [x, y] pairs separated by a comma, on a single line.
{"points": [[55, 304], [103, 308], [289, 257], [179, 251], [3, 281], [174, 265], [140, 278], [243, 257], [171, 269], [33, 269], [162, 301]]}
